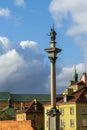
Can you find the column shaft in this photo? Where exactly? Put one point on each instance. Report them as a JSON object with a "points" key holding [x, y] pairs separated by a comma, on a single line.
{"points": [[53, 84]]}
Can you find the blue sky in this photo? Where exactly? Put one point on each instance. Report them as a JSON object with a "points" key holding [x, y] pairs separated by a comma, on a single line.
{"points": [[24, 25]]}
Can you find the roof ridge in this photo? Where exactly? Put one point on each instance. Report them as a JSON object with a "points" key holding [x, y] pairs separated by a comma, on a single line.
{"points": [[80, 93]]}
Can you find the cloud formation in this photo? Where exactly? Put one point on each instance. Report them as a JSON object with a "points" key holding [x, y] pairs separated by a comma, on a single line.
{"points": [[75, 11], [71, 16], [23, 68], [5, 12], [20, 3], [27, 43], [10, 63], [4, 43], [23, 71], [66, 75]]}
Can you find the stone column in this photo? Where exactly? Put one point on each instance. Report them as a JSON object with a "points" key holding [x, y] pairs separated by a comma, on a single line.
{"points": [[53, 114], [53, 81]]}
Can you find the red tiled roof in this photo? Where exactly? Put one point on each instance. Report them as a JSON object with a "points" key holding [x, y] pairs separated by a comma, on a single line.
{"points": [[79, 83], [79, 96]]}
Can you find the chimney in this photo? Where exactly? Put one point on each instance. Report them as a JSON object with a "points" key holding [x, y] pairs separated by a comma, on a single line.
{"points": [[84, 78], [65, 98], [22, 105]]}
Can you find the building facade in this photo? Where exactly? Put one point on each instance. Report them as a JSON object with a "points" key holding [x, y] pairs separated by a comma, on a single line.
{"points": [[34, 112], [72, 105], [73, 111]]}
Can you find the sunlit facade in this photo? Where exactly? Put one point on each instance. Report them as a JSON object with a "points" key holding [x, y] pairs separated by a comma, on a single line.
{"points": [[72, 105]]}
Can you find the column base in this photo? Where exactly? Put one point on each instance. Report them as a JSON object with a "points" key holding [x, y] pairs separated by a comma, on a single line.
{"points": [[53, 119]]}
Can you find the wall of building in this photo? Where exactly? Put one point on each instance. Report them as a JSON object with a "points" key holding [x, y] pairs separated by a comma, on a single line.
{"points": [[76, 87], [68, 116], [46, 117], [81, 116], [65, 116], [16, 125], [21, 116], [38, 118]]}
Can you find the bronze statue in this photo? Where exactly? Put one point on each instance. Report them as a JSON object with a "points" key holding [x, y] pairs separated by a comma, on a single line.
{"points": [[53, 34]]}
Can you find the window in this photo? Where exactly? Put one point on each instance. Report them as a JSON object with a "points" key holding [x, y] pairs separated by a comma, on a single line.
{"points": [[62, 111], [24, 118], [62, 123], [84, 111], [71, 122], [84, 122], [71, 110]]}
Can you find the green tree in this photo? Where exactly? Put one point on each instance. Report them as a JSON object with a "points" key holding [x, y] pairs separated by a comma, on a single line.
{"points": [[4, 116]]}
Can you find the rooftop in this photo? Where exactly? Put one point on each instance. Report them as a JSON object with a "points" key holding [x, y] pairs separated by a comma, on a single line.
{"points": [[79, 96], [6, 96]]}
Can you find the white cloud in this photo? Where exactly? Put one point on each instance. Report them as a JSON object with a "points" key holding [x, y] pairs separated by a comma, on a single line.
{"points": [[71, 16], [67, 73], [26, 71], [75, 11], [5, 42], [10, 63], [19, 2], [4, 12], [29, 44], [22, 70]]}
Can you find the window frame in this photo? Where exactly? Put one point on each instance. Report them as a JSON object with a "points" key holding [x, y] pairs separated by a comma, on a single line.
{"points": [[72, 123], [71, 110], [62, 111], [62, 123], [84, 122]]}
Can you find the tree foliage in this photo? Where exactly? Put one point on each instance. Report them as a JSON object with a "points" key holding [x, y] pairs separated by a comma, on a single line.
{"points": [[4, 116]]}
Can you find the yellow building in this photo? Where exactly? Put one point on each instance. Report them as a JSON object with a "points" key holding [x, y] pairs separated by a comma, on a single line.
{"points": [[73, 109], [72, 105]]}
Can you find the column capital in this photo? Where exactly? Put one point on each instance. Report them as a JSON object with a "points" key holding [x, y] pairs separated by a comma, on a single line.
{"points": [[53, 112], [52, 59]]}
